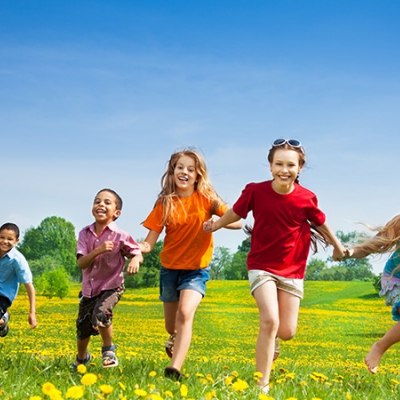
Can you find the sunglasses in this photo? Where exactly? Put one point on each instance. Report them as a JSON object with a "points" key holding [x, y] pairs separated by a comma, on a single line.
{"points": [[291, 142]]}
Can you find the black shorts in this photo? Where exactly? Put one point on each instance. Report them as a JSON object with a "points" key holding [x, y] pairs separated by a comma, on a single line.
{"points": [[96, 311]]}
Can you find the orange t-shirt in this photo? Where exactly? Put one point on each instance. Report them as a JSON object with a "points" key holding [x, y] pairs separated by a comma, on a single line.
{"points": [[186, 245]]}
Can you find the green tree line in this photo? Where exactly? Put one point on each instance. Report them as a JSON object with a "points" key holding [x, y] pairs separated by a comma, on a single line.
{"points": [[50, 250]]}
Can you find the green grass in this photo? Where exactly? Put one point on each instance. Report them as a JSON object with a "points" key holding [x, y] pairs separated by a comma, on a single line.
{"points": [[338, 322]]}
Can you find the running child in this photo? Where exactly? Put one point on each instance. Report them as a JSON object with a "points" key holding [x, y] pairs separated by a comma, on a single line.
{"points": [[186, 200], [14, 270], [386, 240], [101, 251], [283, 213]]}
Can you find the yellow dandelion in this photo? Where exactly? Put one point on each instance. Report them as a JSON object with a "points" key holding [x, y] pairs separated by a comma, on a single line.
{"points": [[106, 389], [81, 368], [184, 390], [140, 392], [32, 397], [228, 380], [74, 392], [169, 394], [235, 374], [48, 388], [199, 375], [152, 387], [240, 385], [210, 378], [348, 396], [152, 374], [210, 395], [316, 398], [154, 396], [89, 379], [122, 386], [292, 398], [122, 397], [264, 397]]}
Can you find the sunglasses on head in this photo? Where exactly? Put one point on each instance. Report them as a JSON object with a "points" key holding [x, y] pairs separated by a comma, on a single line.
{"points": [[291, 142]]}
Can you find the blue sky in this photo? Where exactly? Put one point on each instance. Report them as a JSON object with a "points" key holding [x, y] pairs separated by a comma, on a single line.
{"points": [[99, 94]]}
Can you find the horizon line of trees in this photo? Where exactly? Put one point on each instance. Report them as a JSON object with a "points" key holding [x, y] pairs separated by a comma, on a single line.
{"points": [[50, 250]]}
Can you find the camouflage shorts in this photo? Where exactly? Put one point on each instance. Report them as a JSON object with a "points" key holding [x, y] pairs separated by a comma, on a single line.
{"points": [[96, 311]]}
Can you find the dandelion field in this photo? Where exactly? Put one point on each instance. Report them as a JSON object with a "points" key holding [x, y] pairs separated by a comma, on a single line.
{"points": [[338, 323]]}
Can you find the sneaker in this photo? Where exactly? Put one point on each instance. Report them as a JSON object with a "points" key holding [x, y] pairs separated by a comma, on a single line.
{"points": [[4, 327]]}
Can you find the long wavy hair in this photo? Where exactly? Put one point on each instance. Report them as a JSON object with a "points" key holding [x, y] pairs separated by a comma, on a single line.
{"points": [[168, 195], [316, 237], [387, 237]]}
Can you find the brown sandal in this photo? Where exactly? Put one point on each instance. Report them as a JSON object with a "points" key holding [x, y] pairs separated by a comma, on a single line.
{"points": [[169, 345]]}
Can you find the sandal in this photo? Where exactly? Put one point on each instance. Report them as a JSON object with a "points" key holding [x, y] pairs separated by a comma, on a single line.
{"points": [[264, 389], [79, 361], [173, 373], [169, 345], [110, 360], [4, 327]]}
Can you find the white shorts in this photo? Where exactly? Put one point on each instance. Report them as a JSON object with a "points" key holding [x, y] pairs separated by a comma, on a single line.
{"points": [[258, 277]]}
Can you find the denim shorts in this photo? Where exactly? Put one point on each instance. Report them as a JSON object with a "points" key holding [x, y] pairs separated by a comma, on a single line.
{"points": [[258, 277], [172, 281]]}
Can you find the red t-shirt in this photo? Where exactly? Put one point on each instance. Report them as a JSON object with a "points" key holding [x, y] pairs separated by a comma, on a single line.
{"points": [[280, 241]]}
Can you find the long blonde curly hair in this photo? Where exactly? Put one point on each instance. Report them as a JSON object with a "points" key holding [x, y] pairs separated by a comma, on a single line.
{"points": [[168, 195]]}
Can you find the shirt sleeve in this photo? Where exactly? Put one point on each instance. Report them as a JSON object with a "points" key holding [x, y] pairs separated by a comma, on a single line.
{"points": [[244, 203], [82, 244], [153, 221], [23, 271], [131, 247], [314, 214]]}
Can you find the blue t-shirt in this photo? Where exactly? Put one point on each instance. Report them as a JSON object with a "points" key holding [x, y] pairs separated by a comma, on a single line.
{"points": [[14, 269], [392, 263]]}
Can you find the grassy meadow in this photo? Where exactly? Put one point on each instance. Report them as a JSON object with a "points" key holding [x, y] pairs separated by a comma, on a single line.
{"points": [[338, 323]]}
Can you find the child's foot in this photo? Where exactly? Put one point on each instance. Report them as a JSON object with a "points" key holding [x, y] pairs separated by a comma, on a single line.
{"points": [[4, 325], [79, 361], [109, 357], [173, 373], [373, 357], [264, 388], [169, 345]]}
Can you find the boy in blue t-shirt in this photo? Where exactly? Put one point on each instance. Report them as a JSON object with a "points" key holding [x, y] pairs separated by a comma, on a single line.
{"points": [[14, 270]]}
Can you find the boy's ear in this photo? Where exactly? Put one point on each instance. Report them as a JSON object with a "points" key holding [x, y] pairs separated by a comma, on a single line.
{"points": [[117, 213]]}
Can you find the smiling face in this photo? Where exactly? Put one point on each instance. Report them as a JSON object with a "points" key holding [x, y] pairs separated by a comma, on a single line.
{"points": [[8, 239], [284, 168], [104, 208], [185, 176]]}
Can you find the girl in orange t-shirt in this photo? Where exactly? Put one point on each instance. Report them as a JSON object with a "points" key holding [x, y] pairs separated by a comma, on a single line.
{"points": [[186, 200]]}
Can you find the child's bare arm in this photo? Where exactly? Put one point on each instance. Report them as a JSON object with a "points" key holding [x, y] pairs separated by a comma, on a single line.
{"points": [[32, 305], [148, 244], [229, 220], [134, 264], [339, 251]]}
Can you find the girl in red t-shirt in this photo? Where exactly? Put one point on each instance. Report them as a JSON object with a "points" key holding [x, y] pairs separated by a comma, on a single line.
{"points": [[283, 214], [186, 200]]}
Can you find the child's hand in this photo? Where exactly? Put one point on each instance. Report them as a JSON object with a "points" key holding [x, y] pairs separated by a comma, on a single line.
{"points": [[349, 253], [32, 320], [208, 226], [339, 253], [134, 265], [105, 247]]}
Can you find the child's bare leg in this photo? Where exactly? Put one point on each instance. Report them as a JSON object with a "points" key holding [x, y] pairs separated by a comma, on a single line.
{"points": [[188, 303], [106, 337], [377, 350], [289, 305], [267, 303], [82, 345], [170, 310]]}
